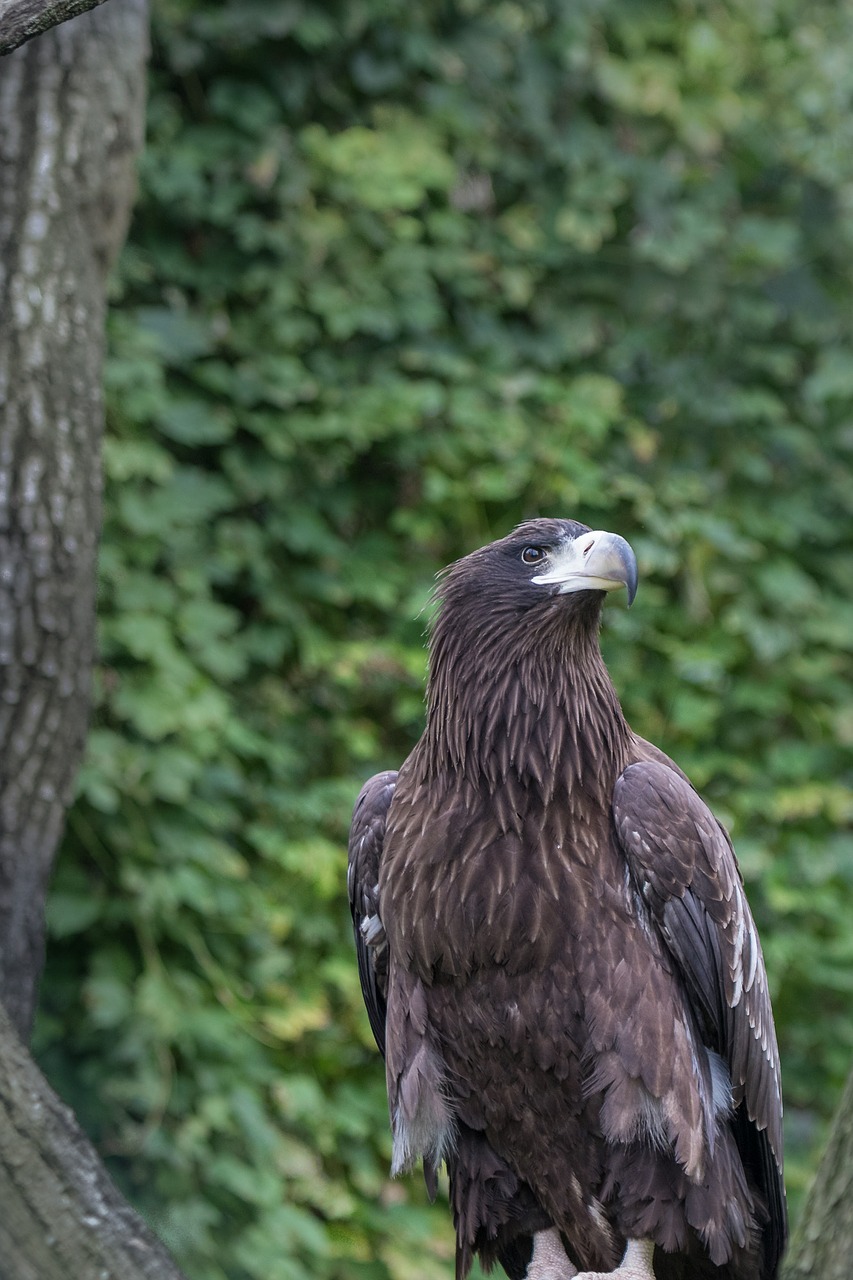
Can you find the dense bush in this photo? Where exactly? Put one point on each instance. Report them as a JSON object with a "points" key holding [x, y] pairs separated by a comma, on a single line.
{"points": [[402, 274]]}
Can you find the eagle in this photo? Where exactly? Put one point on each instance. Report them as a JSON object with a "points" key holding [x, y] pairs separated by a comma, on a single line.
{"points": [[556, 953]]}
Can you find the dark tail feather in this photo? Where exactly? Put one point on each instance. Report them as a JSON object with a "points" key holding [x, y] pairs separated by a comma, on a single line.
{"points": [[495, 1213]]}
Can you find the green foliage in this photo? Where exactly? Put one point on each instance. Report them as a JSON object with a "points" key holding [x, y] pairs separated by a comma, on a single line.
{"points": [[401, 275]]}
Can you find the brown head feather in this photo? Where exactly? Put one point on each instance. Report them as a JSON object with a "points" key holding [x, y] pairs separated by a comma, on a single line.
{"points": [[518, 691]]}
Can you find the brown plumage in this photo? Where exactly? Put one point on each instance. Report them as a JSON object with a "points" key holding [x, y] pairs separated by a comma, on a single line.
{"points": [[556, 953]]}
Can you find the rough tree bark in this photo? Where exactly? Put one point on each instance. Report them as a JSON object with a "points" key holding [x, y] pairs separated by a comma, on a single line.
{"points": [[20, 20], [822, 1248], [71, 124], [62, 1218]]}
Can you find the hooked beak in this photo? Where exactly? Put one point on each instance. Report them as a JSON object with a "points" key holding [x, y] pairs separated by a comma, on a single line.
{"points": [[594, 561]]}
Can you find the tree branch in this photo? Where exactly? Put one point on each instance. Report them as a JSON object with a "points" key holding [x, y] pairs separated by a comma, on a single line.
{"points": [[20, 20], [62, 1215]]}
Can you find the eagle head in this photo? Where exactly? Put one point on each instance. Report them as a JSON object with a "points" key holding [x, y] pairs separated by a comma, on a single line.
{"points": [[543, 561], [568, 557]]}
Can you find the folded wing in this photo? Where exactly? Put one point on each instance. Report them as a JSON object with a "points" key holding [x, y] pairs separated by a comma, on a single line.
{"points": [[683, 866], [367, 835]]}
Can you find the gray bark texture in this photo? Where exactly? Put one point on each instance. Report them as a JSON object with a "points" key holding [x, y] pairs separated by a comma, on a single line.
{"points": [[20, 20], [62, 1217], [71, 124], [822, 1248]]}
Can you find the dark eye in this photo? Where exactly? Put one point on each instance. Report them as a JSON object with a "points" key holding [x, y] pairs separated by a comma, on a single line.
{"points": [[532, 555]]}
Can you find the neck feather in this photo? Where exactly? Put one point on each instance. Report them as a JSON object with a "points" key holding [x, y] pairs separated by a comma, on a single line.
{"points": [[532, 710]]}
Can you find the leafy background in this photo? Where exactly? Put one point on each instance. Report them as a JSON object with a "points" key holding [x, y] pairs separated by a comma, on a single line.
{"points": [[401, 275]]}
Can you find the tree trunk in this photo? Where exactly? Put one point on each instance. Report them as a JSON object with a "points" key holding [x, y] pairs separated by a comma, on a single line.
{"points": [[822, 1248], [62, 1217], [71, 124], [20, 20]]}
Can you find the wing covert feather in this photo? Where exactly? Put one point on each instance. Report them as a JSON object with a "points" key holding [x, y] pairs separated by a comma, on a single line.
{"points": [[684, 867], [366, 838]]}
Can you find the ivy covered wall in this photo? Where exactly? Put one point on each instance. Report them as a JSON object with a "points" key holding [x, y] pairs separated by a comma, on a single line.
{"points": [[401, 275]]}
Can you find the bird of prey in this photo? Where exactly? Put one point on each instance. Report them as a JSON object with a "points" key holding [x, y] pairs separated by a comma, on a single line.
{"points": [[556, 953]]}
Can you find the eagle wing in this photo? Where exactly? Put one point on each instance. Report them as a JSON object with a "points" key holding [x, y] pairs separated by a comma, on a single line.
{"points": [[366, 838], [683, 867]]}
